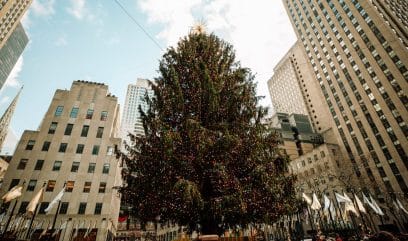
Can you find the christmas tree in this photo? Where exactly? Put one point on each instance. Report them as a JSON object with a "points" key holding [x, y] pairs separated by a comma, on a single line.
{"points": [[206, 160]]}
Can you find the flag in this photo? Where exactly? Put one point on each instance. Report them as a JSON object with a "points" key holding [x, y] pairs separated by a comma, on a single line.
{"points": [[45, 230], [327, 203], [38, 226], [56, 231], [379, 211], [88, 230], [401, 207], [76, 231], [315, 204], [365, 199], [342, 198], [14, 193], [360, 205], [36, 200], [55, 200], [2, 216], [349, 207], [307, 199]]}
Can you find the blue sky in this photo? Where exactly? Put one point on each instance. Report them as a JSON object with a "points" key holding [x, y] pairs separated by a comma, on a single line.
{"points": [[95, 40]]}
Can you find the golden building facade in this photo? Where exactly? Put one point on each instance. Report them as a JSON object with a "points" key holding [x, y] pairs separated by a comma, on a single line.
{"points": [[72, 148]]}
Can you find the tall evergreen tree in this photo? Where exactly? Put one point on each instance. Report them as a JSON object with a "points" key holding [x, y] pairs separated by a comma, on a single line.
{"points": [[206, 158]]}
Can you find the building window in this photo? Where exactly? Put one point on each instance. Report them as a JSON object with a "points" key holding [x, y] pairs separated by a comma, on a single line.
{"points": [[322, 154], [50, 186], [57, 166], [31, 185], [68, 129], [63, 147], [14, 182], [53, 127], [80, 148], [59, 110], [82, 208], [43, 206], [64, 207], [74, 112], [30, 145], [75, 167], [104, 115], [95, 150], [91, 167], [84, 132], [38, 165], [102, 187], [22, 165], [105, 169], [23, 207], [99, 133], [98, 208], [89, 113], [87, 187], [70, 186], [109, 151], [315, 157], [46, 146]]}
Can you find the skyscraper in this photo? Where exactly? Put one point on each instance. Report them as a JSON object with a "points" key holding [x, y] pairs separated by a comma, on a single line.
{"points": [[292, 86], [284, 87], [73, 148], [359, 57], [6, 118], [131, 120], [11, 51], [11, 12]]}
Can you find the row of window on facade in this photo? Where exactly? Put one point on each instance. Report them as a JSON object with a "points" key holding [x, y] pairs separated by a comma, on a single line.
{"points": [[57, 166], [75, 110], [70, 127], [63, 148], [50, 185], [63, 208]]}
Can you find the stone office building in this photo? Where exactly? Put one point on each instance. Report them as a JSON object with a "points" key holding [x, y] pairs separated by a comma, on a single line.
{"points": [[359, 56], [74, 144]]}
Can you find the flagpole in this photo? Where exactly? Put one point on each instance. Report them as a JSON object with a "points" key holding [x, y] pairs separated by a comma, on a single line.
{"points": [[359, 211], [12, 211], [56, 213], [338, 208], [65, 231], [33, 217], [9, 219]]}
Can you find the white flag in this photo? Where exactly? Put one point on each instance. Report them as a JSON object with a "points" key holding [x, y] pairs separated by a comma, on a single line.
{"points": [[88, 230], [76, 231], [360, 205], [56, 200], [36, 200], [379, 211], [401, 207], [342, 198], [349, 207], [315, 204], [365, 199], [14, 193], [326, 202], [307, 199]]}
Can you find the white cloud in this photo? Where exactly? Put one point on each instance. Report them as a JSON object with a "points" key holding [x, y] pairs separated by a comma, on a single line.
{"points": [[43, 7], [12, 80], [10, 143], [259, 30], [77, 8], [61, 41], [80, 11]]}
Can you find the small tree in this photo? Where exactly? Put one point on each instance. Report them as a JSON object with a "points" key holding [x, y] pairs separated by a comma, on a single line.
{"points": [[205, 158]]}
